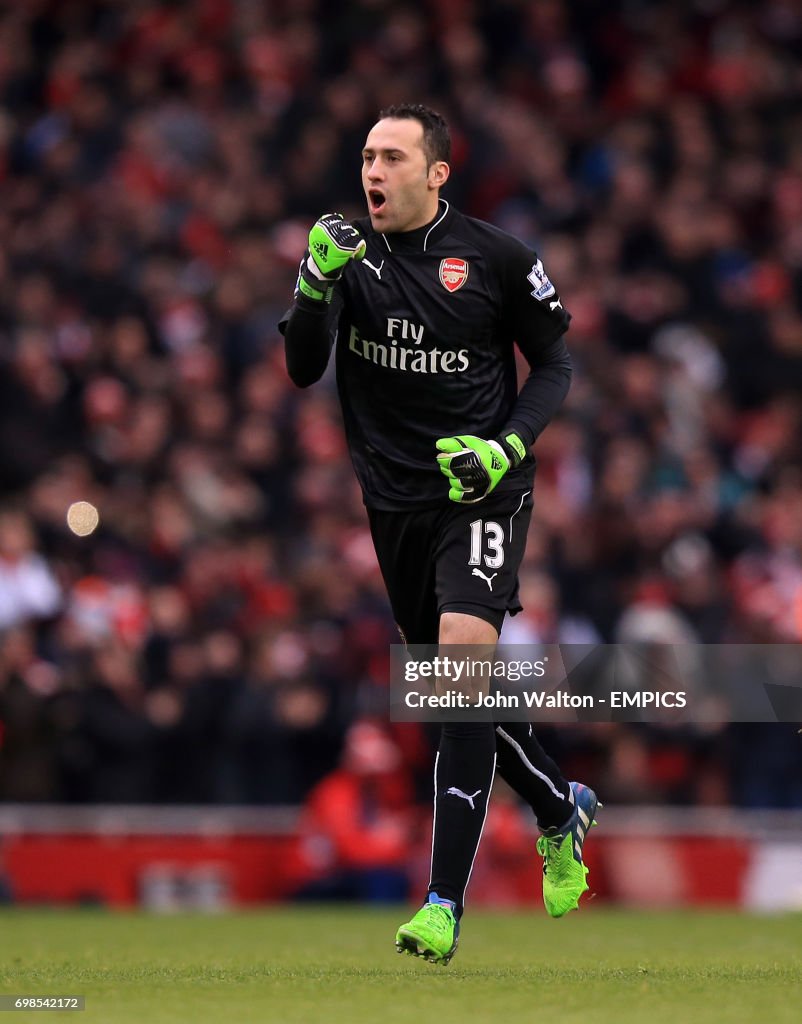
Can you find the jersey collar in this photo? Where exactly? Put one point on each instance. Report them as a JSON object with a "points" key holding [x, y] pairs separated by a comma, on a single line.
{"points": [[421, 239]]}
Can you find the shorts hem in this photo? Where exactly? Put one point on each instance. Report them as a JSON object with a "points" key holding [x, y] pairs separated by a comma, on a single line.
{"points": [[494, 616]]}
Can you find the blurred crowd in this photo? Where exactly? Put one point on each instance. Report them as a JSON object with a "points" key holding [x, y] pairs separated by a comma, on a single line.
{"points": [[160, 165]]}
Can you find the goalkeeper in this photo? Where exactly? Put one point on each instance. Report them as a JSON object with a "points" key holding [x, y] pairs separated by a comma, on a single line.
{"points": [[423, 307]]}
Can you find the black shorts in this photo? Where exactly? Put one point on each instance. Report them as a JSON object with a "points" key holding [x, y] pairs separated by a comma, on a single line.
{"points": [[458, 558]]}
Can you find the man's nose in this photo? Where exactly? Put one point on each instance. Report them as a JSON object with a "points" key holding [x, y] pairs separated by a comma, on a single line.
{"points": [[375, 171]]}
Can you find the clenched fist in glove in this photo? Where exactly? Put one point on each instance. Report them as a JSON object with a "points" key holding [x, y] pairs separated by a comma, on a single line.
{"points": [[332, 243], [474, 467]]}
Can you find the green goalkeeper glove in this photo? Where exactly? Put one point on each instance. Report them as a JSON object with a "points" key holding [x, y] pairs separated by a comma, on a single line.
{"points": [[474, 467], [332, 243]]}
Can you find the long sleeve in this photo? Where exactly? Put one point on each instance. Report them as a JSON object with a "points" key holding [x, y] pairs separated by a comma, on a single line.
{"points": [[309, 334], [543, 392], [537, 320]]}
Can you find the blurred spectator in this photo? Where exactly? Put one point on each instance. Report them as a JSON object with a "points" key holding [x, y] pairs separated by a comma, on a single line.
{"points": [[281, 733], [119, 729], [29, 732], [28, 588], [357, 823]]}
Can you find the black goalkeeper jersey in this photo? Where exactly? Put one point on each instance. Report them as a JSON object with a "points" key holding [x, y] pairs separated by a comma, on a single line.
{"points": [[424, 329]]}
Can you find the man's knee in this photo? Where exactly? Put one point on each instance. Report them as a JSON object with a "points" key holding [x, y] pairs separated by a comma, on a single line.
{"points": [[460, 628]]}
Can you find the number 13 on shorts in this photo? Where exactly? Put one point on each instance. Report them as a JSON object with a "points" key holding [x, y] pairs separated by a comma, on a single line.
{"points": [[487, 535]]}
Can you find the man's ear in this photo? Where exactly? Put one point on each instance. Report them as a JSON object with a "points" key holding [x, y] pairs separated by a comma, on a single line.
{"points": [[438, 174]]}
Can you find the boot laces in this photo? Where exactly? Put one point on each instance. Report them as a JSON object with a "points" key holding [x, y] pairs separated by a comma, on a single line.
{"points": [[441, 918], [549, 848]]}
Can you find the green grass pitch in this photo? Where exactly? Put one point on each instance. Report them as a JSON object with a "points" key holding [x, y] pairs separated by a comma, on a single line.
{"points": [[304, 966]]}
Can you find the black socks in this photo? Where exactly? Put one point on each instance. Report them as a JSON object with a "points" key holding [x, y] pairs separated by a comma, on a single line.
{"points": [[463, 778], [527, 768], [464, 769]]}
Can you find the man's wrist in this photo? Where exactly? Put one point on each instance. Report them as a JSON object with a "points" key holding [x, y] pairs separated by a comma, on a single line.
{"points": [[513, 447], [317, 292], [312, 286]]}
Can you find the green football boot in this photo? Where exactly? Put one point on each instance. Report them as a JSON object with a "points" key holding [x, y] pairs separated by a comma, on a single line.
{"points": [[433, 933], [564, 874]]}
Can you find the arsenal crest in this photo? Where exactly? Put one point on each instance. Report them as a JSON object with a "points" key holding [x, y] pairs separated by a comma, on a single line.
{"points": [[453, 273]]}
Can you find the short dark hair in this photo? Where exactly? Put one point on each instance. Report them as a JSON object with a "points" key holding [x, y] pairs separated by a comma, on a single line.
{"points": [[436, 136]]}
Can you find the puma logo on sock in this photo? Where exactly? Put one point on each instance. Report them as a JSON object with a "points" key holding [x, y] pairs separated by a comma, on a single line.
{"points": [[453, 791]]}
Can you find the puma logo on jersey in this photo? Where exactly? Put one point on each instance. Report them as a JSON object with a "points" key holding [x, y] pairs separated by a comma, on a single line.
{"points": [[488, 579], [376, 270], [453, 791]]}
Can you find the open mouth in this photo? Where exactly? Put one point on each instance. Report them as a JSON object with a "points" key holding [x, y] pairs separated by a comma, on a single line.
{"points": [[376, 200]]}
